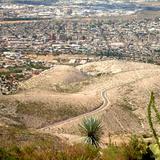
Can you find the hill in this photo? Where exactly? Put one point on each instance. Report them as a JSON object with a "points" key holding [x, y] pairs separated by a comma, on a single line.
{"points": [[51, 96], [128, 86], [115, 91], [57, 75]]}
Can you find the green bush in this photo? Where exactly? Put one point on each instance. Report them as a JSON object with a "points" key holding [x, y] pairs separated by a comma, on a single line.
{"points": [[156, 151], [113, 152], [152, 106], [5, 155], [15, 70], [136, 149]]}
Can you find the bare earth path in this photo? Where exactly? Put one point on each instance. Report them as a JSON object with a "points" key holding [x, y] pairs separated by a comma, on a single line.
{"points": [[103, 107], [70, 123]]}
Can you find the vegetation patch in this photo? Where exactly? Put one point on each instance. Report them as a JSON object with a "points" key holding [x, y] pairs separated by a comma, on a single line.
{"points": [[127, 105], [49, 113], [71, 87], [136, 149], [18, 137]]}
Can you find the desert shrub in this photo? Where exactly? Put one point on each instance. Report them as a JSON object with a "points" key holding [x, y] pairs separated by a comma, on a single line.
{"points": [[6, 73], [113, 152], [19, 76], [15, 70], [91, 128], [155, 149], [77, 152], [68, 88], [37, 65], [152, 107], [135, 149], [36, 153], [6, 155], [31, 152]]}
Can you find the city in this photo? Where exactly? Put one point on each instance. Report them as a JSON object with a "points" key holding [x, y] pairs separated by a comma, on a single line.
{"points": [[79, 79]]}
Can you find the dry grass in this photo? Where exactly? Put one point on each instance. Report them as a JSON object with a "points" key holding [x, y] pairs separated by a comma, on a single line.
{"points": [[127, 84], [36, 111], [46, 114], [42, 149], [48, 79], [72, 87], [52, 96], [19, 136]]}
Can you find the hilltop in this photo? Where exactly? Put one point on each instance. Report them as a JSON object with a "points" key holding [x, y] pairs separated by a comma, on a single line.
{"points": [[79, 91], [60, 74], [128, 86], [51, 96]]}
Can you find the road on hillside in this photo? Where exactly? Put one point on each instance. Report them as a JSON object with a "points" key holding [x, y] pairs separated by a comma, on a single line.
{"points": [[101, 108]]}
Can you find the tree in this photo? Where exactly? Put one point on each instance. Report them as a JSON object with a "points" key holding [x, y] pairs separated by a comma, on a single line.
{"points": [[91, 128]]}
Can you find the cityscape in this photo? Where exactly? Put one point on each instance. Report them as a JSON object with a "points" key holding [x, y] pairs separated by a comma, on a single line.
{"points": [[79, 79]]}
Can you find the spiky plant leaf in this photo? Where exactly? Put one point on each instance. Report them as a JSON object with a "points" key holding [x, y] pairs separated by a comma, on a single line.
{"points": [[91, 129], [150, 121], [156, 151]]}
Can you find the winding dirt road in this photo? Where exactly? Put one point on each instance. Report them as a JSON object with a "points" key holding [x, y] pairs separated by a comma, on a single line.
{"points": [[103, 107], [106, 103]]}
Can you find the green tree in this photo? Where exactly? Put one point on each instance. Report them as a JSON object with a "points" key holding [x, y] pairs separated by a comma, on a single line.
{"points": [[91, 128]]}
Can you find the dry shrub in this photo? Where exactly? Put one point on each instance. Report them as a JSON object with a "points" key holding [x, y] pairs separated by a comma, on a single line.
{"points": [[113, 152], [136, 149], [78, 152], [33, 152]]}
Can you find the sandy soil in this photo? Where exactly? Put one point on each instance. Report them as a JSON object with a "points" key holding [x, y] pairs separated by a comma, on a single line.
{"points": [[128, 86], [38, 102], [57, 75]]}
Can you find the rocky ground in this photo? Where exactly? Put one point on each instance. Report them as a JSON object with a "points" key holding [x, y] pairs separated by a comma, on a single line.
{"points": [[128, 86]]}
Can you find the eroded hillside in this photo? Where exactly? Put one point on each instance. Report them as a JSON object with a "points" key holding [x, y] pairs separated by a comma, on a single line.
{"points": [[57, 100]]}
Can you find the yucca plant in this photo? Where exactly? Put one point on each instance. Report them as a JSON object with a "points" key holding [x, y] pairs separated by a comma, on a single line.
{"points": [[91, 129], [151, 106]]}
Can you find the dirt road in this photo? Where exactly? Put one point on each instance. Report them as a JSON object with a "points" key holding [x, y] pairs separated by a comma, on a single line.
{"points": [[103, 107], [76, 120]]}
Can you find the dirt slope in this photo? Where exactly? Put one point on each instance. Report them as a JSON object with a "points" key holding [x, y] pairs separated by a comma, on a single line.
{"points": [[47, 98], [56, 75], [127, 85]]}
